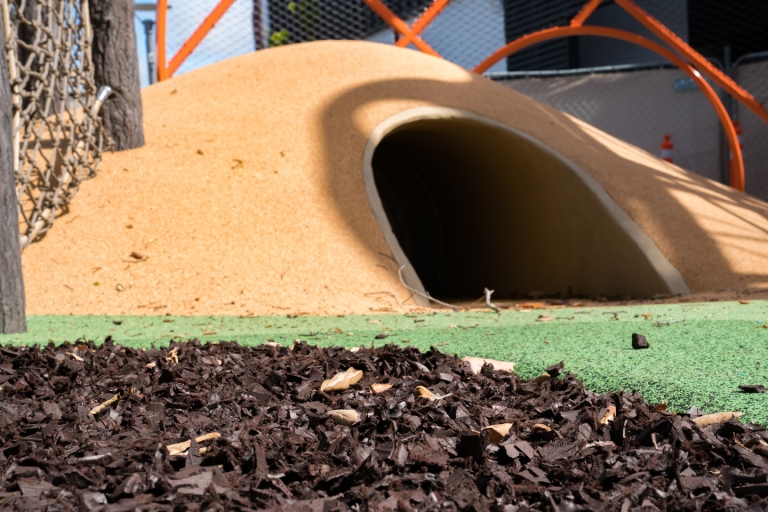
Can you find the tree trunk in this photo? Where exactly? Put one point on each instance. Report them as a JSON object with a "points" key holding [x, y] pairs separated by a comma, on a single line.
{"points": [[12, 319], [27, 34], [116, 63]]}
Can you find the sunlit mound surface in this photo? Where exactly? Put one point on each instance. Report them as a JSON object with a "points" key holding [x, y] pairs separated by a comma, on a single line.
{"points": [[300, 179]]}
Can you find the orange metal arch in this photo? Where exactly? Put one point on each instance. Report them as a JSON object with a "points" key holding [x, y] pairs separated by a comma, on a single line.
{"points": [[423, 21], [165, 69], [409, 36], [737, 167], [162, 24], [198, 35], [585, 12]]}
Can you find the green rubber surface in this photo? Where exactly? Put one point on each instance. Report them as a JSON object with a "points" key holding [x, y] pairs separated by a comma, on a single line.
{"points": [[699, 352]]}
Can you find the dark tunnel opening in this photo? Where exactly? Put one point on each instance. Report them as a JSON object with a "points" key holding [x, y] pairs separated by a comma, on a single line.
{"points": [[473, 205]]}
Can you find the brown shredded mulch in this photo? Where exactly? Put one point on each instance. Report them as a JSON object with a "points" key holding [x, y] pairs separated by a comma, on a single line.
{"points": [[280, 449]]}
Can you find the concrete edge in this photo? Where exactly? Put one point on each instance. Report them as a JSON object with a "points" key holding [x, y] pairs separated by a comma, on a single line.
{"points": [[667, 272], [410, 276]]}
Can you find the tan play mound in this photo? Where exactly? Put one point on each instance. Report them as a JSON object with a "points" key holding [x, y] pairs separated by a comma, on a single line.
{"points": [[299, 179]]}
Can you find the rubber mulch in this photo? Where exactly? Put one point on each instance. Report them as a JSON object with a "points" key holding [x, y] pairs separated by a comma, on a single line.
{"points": [[225, 427]]}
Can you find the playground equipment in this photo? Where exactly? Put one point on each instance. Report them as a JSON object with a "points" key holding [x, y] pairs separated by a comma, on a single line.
{"points": [[421, 172], [311, 195], [58, 135], [681, 54], [53, 158]]}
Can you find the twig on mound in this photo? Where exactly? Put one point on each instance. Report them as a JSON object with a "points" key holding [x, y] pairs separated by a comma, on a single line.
{"points": [[490, 304], [422, 294], [390, 294], [472, 304]]}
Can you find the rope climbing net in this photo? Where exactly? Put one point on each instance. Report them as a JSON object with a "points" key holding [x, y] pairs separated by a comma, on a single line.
{"points": [[58, 135]]}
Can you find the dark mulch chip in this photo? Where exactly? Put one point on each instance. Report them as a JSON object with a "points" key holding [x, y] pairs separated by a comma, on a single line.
{"points": [[556, 369], [752, 388], [279, 449], [639, 341]]}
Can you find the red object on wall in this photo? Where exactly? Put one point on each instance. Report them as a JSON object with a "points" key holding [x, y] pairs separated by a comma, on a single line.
{"points": [[666, 149]]}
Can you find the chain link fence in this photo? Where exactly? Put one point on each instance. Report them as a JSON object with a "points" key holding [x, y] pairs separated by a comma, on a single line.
{"points": [[232, 35], [465, 32], [619, 88], [751, 72], [638, 104], [58, 136]]}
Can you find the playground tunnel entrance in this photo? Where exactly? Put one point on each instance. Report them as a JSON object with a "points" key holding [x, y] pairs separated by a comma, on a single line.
{"points": [[475, 205]]}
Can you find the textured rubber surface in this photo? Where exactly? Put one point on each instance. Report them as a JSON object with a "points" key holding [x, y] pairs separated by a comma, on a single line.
{"points": [[699, 353]]}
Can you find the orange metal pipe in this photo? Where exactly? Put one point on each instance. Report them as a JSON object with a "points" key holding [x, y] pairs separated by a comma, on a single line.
{"points": [[424, 20], [189, 46], [162, 16], [399, 25], [585, 12], [737, 171], [695, 57]]}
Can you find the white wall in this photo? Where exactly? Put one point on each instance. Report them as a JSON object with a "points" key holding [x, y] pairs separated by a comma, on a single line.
{"points": [[638, 107]]}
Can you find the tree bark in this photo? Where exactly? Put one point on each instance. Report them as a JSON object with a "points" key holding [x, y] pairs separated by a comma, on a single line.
{"points": [[27, 34], [12, 319], [116, 63]]}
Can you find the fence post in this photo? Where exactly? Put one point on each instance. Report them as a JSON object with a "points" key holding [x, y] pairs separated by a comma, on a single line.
{"points": [[258, 24], [116, 63], [12, 319]]}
